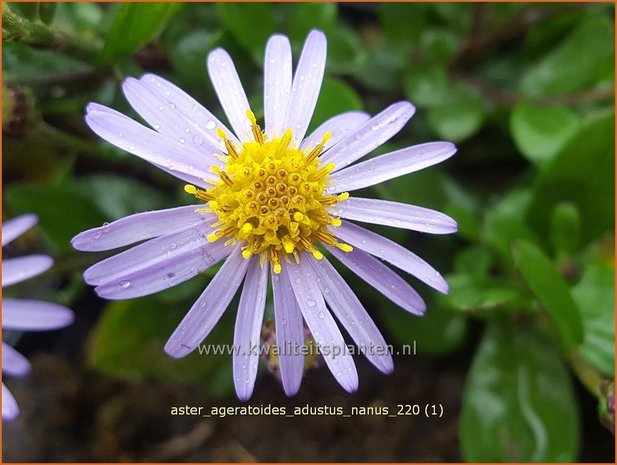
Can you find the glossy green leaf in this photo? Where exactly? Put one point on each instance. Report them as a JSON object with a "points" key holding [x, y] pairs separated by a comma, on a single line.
{"points": [[552, 293], [518, 403], [459, 117], [583, 173], [595, 296], [128, 342], [63, 211], [134, 26], [335, 97], [249, 23], [573, 64], [504, 223], [540, 132]]}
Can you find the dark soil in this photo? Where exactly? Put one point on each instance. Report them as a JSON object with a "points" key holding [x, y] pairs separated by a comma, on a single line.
{"points": [[72, 415]]}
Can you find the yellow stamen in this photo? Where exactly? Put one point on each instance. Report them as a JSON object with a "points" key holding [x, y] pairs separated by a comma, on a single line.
{"points": [[257, 134], [271, 198]]}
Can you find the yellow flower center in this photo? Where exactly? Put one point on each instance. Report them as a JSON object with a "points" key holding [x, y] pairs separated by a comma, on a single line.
{"points": [[271, 197]]}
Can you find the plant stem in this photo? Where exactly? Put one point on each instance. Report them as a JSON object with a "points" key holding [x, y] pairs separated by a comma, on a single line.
{"points": [[590, 378]]}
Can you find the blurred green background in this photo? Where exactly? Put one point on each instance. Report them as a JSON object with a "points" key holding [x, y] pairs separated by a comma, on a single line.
{"points": [[521, 351]]}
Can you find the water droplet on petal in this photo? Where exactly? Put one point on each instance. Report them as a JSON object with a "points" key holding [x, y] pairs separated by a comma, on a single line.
{"points": [[210, 124], [125, 284]]}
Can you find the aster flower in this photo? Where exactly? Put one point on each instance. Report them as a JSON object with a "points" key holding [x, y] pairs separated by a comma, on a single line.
{"points": [[21, 314], [272, 202]]}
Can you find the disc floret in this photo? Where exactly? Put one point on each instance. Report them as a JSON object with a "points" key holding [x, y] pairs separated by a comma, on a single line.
{"points": [[271, 197]]}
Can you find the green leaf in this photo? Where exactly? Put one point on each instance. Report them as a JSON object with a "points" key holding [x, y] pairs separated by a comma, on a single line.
{"points": [[438, 45], [47, 11], [518, 403], [134, 26], [63, 212], [310, 15], [346, 54], [128, 343], [427, 85], [382, 68], [473, 260], [472, 293], [565, 228], [583, 173], [79, 19], [21, 63], [402, 22], [459, 117], [335, 97], [552, 292], [595, 296], [540, 132], [188, 55], [439, 332], [250, 24], [573, 64], [117, 196], [504, 223]]}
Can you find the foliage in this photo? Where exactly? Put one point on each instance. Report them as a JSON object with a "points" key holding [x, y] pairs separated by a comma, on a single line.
{"points": [[526, 92]]}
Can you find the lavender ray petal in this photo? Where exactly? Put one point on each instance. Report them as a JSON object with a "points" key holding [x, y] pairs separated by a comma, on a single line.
{"points": [[15, 270], [289, 333], [15, 227], [167, 119], [209, 307], [277, 83], [352, 314], [370, 135], [391, 252], [180, 160], [10, 410], [201, 119], [398, 215], [158, 276], [13, 363], [340, 126], [230, 92], [151, 253], [306, 84], [382, 278], [390, 165], [34, 315], [320, 322], [138, 227], [247, 333]]}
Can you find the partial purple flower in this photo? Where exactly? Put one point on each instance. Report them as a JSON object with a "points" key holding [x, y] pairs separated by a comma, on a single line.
{"points": [[21, 314], [272, 202]]}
